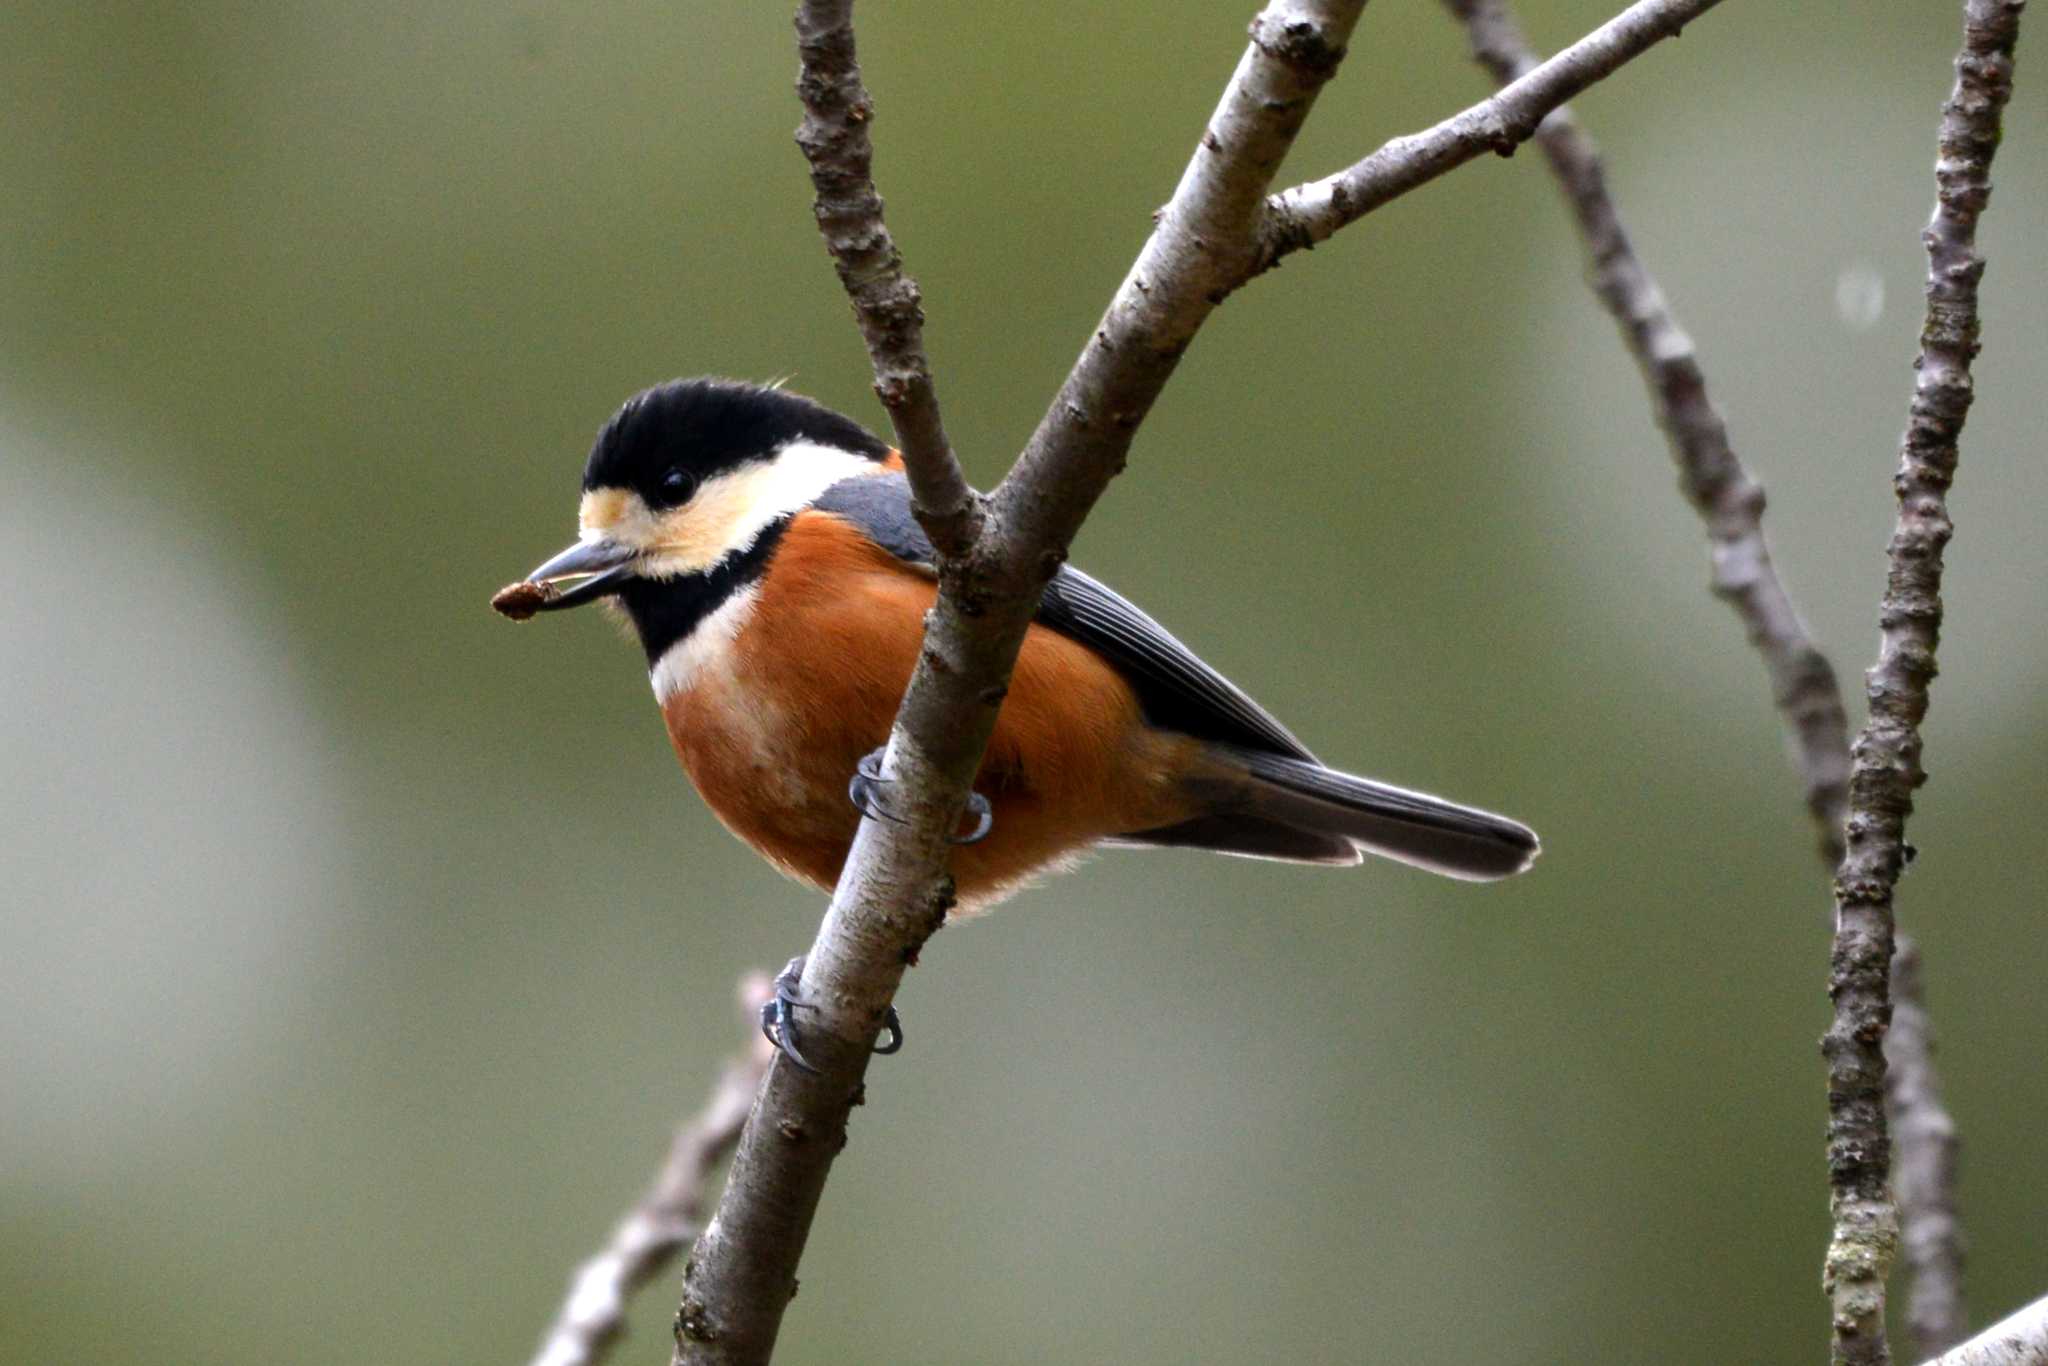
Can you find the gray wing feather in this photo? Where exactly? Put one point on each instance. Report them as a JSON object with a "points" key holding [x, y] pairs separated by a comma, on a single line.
{"points": [[1177, 690], [879, 504]]}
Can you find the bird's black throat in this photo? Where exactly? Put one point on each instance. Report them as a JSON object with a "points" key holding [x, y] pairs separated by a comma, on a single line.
{"points": [[665, 611]]}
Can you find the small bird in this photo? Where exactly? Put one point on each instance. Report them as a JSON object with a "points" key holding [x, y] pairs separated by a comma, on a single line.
{"points": [[763, 548]]}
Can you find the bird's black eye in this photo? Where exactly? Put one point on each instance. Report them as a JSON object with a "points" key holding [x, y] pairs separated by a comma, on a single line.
{"points": [[676, 484]]}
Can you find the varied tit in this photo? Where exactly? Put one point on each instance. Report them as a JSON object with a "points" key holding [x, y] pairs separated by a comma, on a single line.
{"points": [[764, 550]]}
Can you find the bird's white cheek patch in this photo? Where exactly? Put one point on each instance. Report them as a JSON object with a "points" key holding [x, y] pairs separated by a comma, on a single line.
{"points": [[729, 513], [707, 649]]}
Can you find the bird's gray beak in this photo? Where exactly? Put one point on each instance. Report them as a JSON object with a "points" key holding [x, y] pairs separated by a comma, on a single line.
{"points": [[601, 564]]}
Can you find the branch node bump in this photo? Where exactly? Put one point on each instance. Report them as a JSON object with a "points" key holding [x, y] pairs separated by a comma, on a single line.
{"points": [[1299, 43]]}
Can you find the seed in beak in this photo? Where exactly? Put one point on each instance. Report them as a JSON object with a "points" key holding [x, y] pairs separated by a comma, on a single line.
{"points": [[519, 601]]}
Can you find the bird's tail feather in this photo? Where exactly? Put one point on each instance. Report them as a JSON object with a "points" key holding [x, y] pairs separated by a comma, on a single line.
{"points": [[1412, 827], [1268, 805]]}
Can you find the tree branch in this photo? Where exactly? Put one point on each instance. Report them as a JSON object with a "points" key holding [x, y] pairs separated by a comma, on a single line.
{"points": [[1210, 238], [668, 1215], [2020, 1339], [1311, 213], [1886, 757]]}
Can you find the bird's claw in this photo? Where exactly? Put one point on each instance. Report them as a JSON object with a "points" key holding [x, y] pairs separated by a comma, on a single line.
{"points": [[778, 1016], [863, 791], [984, 818], [778, 1020]]}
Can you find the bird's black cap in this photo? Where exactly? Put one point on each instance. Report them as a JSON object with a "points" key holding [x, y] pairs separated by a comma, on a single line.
{"points": [[706, 426]]}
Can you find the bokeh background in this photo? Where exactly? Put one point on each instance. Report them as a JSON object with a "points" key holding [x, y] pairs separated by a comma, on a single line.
{"points": [[359, 949]]}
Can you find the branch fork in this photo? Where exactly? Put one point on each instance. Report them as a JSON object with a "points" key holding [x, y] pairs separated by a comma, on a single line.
{"points": [[1218, 231]]}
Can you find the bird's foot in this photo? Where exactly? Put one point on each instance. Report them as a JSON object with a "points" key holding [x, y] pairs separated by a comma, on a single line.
{"points": [[778, 1019], [865, 791]]}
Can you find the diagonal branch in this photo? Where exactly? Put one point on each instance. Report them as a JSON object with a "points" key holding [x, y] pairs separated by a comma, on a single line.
{"points": [[1210, 238], [1311, 213], [1203, 246], [1886, 757], [668, 1215]]}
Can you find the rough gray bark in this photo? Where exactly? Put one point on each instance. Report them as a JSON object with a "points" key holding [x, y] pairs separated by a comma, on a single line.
{"points": [[668, 1216], [1886, 764], [1216, 232]]}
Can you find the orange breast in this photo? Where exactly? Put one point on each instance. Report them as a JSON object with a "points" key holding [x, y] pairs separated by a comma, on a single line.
{"points": [[770, 728]]}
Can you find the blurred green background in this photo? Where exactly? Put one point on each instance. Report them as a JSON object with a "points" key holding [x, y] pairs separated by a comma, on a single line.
{"points": [[360, 949]]}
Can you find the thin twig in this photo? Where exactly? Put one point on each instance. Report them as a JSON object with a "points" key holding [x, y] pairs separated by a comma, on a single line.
{"points": [[1886, 764], [669, 1215], [2020, 1339], [1307, 214], [1209, 239], [886, 301], [1923, 1164]]}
